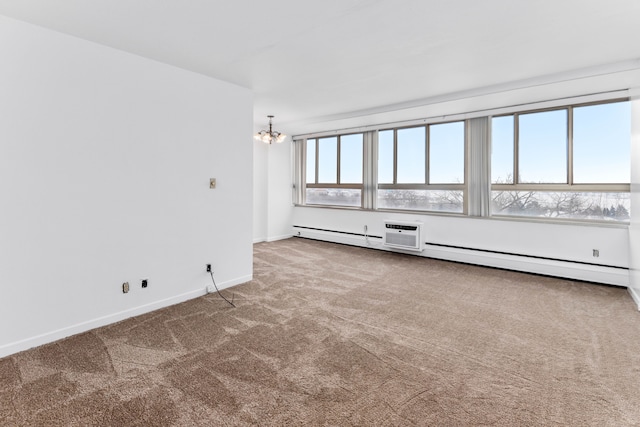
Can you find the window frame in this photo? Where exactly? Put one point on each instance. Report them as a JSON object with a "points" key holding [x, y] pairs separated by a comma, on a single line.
{"points": [[427, 158], [337, 184]]}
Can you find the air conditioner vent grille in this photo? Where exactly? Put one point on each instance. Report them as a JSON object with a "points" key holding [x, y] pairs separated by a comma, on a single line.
{"points": [[402, 240]]}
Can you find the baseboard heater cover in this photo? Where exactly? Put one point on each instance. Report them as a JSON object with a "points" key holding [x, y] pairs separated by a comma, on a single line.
{"points": [[571, 269]]}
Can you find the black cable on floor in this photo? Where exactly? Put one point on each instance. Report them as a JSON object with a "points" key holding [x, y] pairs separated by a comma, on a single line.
{"points": [[217, 290]]}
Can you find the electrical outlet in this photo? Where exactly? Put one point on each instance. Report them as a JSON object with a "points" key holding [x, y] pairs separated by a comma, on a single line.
{"points": [[125, 287], [144, 283], [596, 253], [208, 268], [212, 183]]}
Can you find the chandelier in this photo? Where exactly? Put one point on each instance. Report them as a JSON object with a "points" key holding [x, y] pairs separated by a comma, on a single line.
{"points": [[268, 136]]}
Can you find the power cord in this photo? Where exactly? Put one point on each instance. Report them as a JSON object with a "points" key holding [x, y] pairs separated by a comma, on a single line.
{"points": [[218, 291], [367, 238]]}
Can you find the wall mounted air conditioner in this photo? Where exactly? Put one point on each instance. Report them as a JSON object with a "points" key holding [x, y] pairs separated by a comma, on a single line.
{"points": [[403, 235]]}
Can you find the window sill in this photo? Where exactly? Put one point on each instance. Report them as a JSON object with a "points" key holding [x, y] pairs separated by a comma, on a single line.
{"points": [[524, 219]]}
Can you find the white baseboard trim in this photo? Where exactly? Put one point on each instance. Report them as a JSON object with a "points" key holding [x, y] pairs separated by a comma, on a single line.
{"points": [[556, 268], [281, 237], [271, 239], [46, 338], [236, 281], [346, 239], [635, 294]]}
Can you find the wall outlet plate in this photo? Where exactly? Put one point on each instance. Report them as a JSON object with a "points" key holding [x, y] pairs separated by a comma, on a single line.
{"points": [[212, 183], [125, 287], [144, 283]]}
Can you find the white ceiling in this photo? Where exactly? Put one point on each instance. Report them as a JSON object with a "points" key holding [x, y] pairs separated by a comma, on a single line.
{"points": [[310, 61]]}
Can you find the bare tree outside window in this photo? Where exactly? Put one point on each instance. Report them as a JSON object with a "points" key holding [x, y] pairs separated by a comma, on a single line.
{"points": [[567, 204]]}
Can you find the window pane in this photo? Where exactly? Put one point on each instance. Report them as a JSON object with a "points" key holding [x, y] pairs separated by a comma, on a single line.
{"points": [[446, 153], [601, 143], [542, 147], [328, 160], [385, 157], [502, 150], [421, 200], [351, 159], [593, 206], [311, 161], [411, 155], [334, 196]]}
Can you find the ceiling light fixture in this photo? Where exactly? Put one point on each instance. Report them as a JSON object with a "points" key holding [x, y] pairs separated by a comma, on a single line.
{"points": [[268, 136]]}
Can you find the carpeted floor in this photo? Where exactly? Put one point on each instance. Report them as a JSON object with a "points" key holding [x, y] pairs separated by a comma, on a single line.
{"points": [[334, 335]]}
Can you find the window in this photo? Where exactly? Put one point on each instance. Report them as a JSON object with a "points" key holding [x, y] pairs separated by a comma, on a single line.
{"points": [[411, 155], [502, 129], [571, 162], [542, 147], [334, 170], [422, 168], [601, 143]]}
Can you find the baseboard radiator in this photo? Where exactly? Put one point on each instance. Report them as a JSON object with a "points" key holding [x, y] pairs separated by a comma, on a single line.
{"points": [[589, 272]]}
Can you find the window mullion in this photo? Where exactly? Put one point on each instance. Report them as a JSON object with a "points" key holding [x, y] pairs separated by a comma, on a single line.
{"points": [[570, 146], [395, 156], [317, 148], [516, 149], [427, 154], [300, 180], [338, 161]]}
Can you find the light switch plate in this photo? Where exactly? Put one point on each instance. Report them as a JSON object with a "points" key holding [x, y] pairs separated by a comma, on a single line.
{"points": [[212, 183]]}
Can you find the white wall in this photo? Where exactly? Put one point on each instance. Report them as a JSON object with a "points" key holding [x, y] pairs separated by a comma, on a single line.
{"points": [[260, 191], [272, 197], [280, 191], [105, 160], [634, 228]]}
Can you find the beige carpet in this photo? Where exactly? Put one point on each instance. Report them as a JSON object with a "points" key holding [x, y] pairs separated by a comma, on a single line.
{"points": [[334, 335]]}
